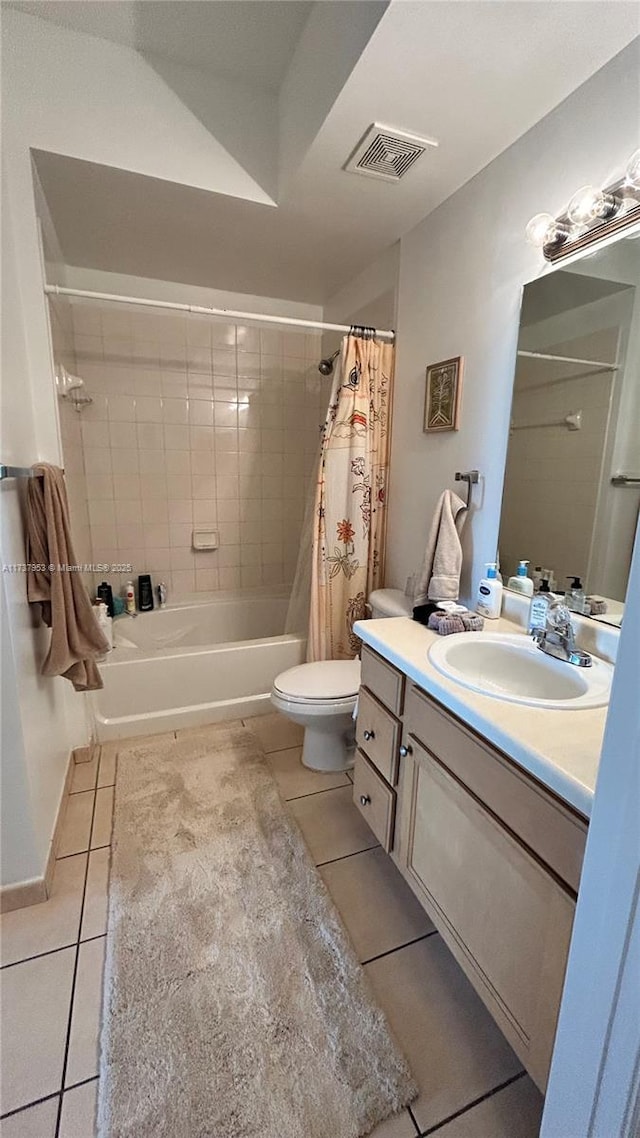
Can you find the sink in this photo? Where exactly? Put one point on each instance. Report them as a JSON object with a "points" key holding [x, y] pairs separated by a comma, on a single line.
{"points": [[511, 667]]}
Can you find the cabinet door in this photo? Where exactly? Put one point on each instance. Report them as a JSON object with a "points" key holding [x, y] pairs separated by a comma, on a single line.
{"points": [[507, 920]]}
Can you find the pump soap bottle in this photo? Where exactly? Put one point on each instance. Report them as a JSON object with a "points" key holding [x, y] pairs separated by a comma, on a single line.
{"points": [[540, 604], [574, 596], [521, 583], [489, 601]]}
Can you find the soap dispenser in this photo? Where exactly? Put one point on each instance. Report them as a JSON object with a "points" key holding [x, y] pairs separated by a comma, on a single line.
{"points": [[540, 604], [489, 602], [521, 583], [574, 597]]}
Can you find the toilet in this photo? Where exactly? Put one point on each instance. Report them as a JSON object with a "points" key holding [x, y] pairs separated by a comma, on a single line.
{"points": [[322, 696]]}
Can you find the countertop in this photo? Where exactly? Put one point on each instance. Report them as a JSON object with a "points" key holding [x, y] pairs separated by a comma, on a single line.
{"points": [[559, 748]]}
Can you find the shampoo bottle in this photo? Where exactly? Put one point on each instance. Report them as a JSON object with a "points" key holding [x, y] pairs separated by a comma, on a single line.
{"points": [[489, 602], [130, 599], [540, 604], [521, 583]]}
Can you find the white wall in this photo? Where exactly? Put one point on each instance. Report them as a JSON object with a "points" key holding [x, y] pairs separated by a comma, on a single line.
{"points": [[461, 274]]}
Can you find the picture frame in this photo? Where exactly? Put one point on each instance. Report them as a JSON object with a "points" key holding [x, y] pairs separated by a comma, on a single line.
{"points": [[442, 395]]}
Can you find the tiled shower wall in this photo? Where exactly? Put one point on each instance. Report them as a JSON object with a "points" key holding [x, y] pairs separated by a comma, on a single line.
{"points": [[195, 424]]}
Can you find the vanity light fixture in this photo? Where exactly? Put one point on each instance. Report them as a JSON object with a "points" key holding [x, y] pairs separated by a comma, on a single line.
{"points": [[593, 216]]}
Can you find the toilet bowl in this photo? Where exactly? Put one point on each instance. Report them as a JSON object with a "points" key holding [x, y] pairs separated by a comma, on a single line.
{"points": [[321, 696]]}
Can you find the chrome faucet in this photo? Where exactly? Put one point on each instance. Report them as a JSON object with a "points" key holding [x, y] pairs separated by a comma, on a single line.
{"points": [[558, 638]]}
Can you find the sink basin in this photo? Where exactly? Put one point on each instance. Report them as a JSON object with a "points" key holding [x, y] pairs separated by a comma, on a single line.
{"points": [[513, 668]]}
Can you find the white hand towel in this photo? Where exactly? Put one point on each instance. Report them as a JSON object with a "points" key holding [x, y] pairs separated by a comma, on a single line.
{"points": [[440, 577]]}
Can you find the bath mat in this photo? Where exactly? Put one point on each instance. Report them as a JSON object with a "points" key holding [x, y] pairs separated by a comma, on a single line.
{"points": [[234, 1004]]}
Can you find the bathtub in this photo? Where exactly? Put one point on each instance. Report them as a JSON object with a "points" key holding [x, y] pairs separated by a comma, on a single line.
{"points": [[192, 663]]}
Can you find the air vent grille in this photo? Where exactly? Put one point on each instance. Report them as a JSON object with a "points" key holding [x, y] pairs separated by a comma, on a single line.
{"points": [[387, 153]]}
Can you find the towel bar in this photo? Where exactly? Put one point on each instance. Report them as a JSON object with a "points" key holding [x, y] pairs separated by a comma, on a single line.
{"points": [[15, 472], [471, 477]]}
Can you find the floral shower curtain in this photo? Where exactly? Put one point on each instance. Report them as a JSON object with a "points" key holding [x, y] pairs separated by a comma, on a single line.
{"points": [[350, 506]]}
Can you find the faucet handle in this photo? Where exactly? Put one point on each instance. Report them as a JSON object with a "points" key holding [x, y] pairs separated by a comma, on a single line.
{"points": [[559, 618]]}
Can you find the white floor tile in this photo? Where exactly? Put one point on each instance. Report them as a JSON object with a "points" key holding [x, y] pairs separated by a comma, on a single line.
{"points": [[96, 897], [76, 827], [52, 924], [275, 732], [101, 832], [36, 997], [400, 1126], [453, 1047], [377, 906], [107, 768], [514, 1112], [84, 775], [82, 1062], [34, 1122], [294, 780], [78, 1118], [331, 825]]}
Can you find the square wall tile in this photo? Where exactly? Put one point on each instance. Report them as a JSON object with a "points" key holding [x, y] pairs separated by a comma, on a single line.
{"points": [[122, 409]]}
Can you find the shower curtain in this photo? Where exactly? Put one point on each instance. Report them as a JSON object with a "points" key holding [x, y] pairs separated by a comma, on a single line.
{"points": [[349, 520]]}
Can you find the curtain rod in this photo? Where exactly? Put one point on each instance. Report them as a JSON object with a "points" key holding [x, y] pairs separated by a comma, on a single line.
{"points": [[198, 310]]}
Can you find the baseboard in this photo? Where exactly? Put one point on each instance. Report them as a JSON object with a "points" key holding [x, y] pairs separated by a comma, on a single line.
{"points": [[33, 892]]}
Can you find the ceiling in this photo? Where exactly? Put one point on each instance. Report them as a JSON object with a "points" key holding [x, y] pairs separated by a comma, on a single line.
{"points": [[473, 74], [250, 40]]}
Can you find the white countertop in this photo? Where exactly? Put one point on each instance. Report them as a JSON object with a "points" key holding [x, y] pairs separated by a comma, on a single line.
{"points": [[560, 748]]}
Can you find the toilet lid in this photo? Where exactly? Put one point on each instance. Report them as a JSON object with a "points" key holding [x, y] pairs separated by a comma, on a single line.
{"points": [[325, 679]]}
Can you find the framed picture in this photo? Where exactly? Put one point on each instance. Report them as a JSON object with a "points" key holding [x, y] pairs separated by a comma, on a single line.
{"points": [[442, 395]]}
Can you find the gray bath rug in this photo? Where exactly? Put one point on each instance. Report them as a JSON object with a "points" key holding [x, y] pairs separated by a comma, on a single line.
{"points": [[234, 1005]]}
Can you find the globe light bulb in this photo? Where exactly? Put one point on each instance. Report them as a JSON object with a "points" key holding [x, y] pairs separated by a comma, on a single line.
{"points": [[543, 229], [633, 171], [590, 204]]}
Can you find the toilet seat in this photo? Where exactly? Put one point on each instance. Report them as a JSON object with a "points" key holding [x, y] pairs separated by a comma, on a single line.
{"points": [[323, 682]]}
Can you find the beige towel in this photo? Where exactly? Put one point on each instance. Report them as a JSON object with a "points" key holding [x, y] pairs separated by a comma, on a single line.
{"points": [[76, 638], [440, 577]]}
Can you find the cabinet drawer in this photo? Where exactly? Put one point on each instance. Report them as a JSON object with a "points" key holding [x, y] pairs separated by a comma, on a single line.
{"points": [[495, 904], [375, 800], [381, 678], [548, 827], [378, 734]]}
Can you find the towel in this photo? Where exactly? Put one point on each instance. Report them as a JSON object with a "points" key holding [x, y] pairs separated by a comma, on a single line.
{"points": [[76, 638], [440, 577]]}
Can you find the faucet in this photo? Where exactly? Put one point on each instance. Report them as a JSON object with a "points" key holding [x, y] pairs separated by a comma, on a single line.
{"points": [[558, 639]]}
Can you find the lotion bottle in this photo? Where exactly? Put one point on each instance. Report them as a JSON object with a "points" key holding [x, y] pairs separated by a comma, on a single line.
{"points": [[489, 602], [130, 599], [521, 583]]}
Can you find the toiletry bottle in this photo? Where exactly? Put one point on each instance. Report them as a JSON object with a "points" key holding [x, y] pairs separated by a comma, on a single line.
{"points": [[521, 583], [162, 594], [105, 593], [130, 599], [104, 620], [145, 593], [540, 604], [574, 597], [489, 601], [536, 577]]}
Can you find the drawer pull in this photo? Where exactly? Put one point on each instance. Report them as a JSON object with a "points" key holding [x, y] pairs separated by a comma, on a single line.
{"points": [[369, 735], [404, 751], [365, 799]]}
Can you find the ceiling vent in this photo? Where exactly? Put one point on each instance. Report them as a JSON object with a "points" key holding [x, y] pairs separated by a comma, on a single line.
{"points": [[384, 152]]}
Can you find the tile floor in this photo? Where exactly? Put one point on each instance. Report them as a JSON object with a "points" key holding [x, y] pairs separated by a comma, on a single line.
{"points": [[471, 1083]]}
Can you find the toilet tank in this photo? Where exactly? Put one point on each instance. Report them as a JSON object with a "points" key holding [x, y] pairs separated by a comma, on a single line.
{"points": [[389, 602]]}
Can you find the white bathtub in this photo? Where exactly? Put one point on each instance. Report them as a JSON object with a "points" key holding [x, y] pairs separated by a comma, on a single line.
{"points": [[194, 663]]}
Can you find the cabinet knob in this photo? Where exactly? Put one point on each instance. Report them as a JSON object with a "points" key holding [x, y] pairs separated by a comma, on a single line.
{"points": [[369, 735], [404, 751], [364, 799]]}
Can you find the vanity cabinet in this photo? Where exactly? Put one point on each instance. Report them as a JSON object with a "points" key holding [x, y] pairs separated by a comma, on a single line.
{"points": [[493, 856]]}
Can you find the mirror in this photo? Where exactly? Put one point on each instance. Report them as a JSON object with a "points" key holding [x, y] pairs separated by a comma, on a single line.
{"points": [[572, 482]]}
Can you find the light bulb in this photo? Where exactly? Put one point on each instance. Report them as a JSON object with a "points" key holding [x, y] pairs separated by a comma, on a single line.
{"points": [[543, 229], [633, 171], [590, 204]]}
